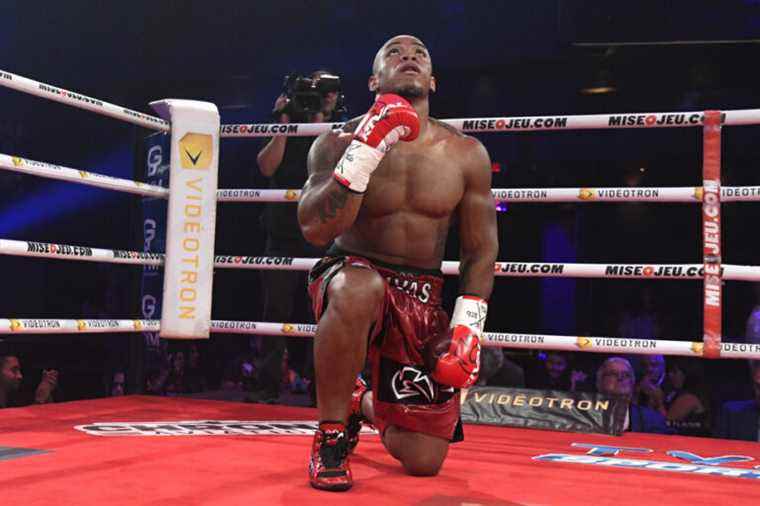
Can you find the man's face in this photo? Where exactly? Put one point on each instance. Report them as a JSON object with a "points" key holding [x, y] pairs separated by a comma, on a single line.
{"points": [[117, 388], [403, 66], [653, 366], [616, 379], [10, 374], [555, 365]]}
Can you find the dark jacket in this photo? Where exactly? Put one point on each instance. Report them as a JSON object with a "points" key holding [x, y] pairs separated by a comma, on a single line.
{"points": [[643, 419]]}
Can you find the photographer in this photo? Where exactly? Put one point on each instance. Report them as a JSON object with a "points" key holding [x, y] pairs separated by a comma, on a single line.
{"points": [[315, 99]]}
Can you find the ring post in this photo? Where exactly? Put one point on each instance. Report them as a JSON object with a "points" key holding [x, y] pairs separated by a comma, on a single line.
{"points": [[191, 217], [711, 236]]}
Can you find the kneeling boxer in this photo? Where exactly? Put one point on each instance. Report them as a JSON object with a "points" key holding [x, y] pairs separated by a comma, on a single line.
{"points": [[386, 190]]}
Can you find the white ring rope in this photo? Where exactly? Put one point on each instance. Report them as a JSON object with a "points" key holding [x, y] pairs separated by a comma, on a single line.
{"points": [[80, 101], [688, 194], [495, 124], [505, 269], [519, 124], [492, 339], [52, 171]]}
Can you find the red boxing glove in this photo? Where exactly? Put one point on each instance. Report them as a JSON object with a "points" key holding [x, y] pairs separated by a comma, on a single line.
{"points": [[459, 366], [391, 119]]}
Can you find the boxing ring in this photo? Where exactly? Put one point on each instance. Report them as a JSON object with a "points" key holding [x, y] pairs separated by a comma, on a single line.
{"points": [[259, 452]]}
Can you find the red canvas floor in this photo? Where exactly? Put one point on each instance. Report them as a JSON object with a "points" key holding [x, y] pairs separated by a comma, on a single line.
{"points": [[494, 466]]}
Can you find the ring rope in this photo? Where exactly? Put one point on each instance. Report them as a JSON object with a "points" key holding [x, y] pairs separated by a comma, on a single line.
{"points": [[687, 194], [52, 171], [494, 124], [50, 92], [491, 339], [503, 269], [518, 124]]}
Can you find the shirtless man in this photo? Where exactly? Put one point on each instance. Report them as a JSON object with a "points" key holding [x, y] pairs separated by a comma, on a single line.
{"points": [[386, 190]]}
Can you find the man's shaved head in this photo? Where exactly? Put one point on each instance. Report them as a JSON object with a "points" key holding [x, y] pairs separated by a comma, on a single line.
{"points": [[392, 40], [403, 66]]}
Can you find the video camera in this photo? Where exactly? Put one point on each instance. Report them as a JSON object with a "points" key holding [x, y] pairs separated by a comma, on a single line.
{"points": [[307, 94]]}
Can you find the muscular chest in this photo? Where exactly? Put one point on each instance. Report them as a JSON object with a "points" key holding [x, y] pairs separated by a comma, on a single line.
{"points": [[421, 180]]}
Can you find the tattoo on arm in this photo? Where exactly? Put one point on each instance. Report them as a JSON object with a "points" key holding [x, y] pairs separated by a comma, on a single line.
{"points": [[336, 200]]}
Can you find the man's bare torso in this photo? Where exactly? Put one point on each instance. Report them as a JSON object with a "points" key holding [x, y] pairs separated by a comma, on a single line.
{"points": [[407, 210]]}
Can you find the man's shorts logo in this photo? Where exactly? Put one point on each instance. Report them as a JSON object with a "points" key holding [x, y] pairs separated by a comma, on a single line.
{"points": [[195, 151], [411, 382]]}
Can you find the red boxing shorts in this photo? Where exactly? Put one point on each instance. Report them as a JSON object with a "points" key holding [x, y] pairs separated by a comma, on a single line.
{"points": [[404, 394]]}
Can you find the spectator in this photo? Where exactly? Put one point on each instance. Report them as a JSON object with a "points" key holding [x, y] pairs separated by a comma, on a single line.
{"points": [[155, 379], [741, 419], [117, 384], [649, 390], [283, 161], [557, 373], [687, 406], [615, 377], [11, 378], [47, 387], [176, 383]]}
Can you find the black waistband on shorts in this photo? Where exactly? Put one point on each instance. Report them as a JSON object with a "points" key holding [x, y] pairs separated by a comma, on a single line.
{"points": [[336, 251]]}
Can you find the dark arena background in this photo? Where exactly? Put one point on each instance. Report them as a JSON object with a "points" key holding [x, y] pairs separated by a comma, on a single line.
{"points": [[509, 60]]}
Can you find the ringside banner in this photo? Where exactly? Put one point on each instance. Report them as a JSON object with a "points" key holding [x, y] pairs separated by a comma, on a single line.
{"points": [[191, 217], [544, 409]]}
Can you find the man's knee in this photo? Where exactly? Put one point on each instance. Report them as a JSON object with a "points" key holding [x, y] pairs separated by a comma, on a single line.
{"points": [[419, 454], [422, 464], [356, 290]]}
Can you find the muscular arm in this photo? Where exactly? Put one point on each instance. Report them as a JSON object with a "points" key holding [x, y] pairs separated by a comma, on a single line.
{"points": [[477, 224], [326, 208]]}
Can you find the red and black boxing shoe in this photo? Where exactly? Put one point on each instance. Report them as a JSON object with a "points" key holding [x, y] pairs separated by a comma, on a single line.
{"points": [[355, 418], [328, 466]]}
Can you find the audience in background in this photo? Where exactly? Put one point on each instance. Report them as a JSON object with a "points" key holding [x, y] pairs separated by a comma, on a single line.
{"points": [[649, 389], [615, 377], [118, 384], [556, 372], [687, 405], [11, 378]]}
